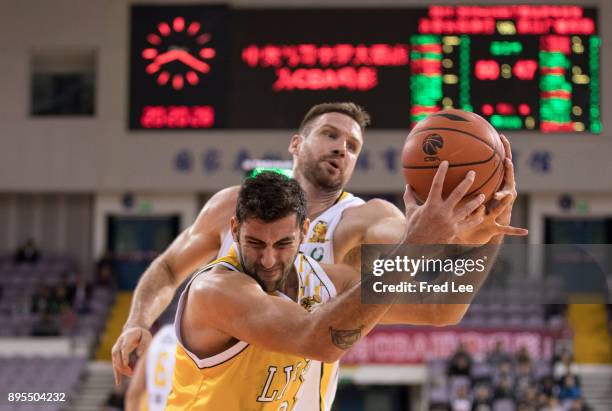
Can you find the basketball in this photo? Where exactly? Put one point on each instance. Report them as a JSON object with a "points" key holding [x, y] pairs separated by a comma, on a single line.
{"points": [[466, 141]]}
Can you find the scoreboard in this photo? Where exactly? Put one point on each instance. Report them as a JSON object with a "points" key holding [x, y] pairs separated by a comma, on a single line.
{"points": [[524, 67]]}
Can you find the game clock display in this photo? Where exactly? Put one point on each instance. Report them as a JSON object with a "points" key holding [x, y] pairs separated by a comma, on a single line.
{"points": [[524, 67], [179, 67]]}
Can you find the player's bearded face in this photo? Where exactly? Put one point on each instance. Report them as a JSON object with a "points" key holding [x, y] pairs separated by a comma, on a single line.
{"points": [[325, 171], [328, 152], [268, 250]]}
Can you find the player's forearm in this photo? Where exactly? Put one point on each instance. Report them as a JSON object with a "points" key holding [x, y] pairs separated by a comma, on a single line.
{"points": [[453, 313], [152, 295], [132, 401], [452, 306], [488, 255], [443, 308], [336, 326], [498, 239]]}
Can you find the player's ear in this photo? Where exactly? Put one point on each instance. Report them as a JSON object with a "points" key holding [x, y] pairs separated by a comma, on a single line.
{"points": [[234, 228], [305, 227], [294, 144]]}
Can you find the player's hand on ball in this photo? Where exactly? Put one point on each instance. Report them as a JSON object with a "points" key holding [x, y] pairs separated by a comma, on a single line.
{"points": [[439, 220], [132, 341], [496, 218]]}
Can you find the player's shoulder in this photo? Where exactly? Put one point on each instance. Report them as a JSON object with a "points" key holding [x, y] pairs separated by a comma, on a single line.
{"points": [[220, 282], [218, 209], [224, 197]]}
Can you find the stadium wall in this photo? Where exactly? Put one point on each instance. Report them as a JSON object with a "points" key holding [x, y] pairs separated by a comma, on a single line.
{"points": [[99, 153]]}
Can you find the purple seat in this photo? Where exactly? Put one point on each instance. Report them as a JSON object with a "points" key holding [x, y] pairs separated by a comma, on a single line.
{"points": [[437, 369], [475, 321], [496, 321], [481, 370], [514, 309], [542, 368], [555, 322], [477, 309], [438, 395], [505, 404], [535, 322], [516, 321], [456, 382], [495, 309]]}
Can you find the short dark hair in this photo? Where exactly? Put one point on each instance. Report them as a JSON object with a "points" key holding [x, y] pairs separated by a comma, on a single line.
{"points": [[352, 110], [270, 196]]}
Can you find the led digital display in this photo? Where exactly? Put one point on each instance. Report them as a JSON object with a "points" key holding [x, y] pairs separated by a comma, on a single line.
{"points": [[531, 67], [179, 67]]}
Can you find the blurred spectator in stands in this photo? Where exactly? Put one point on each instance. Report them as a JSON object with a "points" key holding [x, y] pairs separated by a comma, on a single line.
{"points": [[504, 389], [58, 301], [482, 399], [564, 365], [105, 275], [552, 405], [462, 401], [524, 378], [40, 299], [542, 400], [503, 371], [529, 401], [461, 362], [68, 320], [548, 387], [569, 389], [67, 282], [523, 355], [63, 302], [45, 327], [579, 405], [82, 295], [498, 355], [27, 253]]}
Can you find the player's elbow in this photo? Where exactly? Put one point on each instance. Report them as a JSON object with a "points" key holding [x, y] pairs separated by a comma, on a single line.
{"points": [[328, 354], [318, 349], [448, 314]]}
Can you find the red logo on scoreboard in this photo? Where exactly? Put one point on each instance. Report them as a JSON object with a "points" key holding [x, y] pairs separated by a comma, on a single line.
{"points": [[192, 52]]}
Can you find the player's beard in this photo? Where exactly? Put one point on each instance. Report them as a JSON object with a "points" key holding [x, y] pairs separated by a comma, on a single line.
{"points": [[252, 269], [313, 170]]}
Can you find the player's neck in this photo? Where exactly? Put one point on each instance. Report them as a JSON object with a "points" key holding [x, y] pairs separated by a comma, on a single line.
{"points": [[291, 284], [317, 199]]}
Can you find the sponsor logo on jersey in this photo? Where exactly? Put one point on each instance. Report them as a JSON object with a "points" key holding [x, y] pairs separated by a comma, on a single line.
{"points": [[319, 232], [309, 302]]}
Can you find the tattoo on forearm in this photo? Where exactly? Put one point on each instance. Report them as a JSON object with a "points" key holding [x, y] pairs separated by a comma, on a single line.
{"points": [[344, 339]]}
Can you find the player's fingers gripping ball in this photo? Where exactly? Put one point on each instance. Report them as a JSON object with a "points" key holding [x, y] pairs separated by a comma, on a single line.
{"points": [[466, 140]]}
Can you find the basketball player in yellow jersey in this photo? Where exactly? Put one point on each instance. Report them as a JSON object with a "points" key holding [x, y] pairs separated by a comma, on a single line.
{"points": [[244, 341], [325, 152]]}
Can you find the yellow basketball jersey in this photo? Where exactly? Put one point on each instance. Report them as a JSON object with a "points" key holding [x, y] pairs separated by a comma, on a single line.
{"points": [[246, 377]]}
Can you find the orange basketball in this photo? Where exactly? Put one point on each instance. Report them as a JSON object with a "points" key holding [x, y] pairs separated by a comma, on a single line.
{"points": [[466, 140]]}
